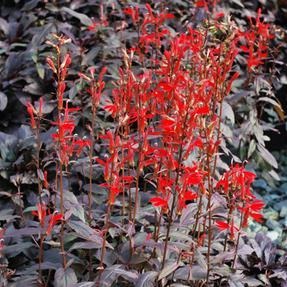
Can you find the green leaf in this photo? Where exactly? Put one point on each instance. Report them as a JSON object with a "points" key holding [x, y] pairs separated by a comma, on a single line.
{"points": [[251, 148], [40, 70]]}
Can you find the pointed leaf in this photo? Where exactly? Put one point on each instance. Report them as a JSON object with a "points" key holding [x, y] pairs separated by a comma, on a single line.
{"points": [[147, 279], [168, 269], [85, 20], [65, 278]]}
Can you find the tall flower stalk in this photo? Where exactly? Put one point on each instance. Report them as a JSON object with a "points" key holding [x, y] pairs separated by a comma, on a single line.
{"points": [[66, 144]]}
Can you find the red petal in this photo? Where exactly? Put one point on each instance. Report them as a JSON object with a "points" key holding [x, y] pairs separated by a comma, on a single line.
{"points": [[222, 225], [158, 202], [189, 195]]}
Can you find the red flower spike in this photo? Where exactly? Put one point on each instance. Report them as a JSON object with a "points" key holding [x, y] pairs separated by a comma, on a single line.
{"points": [[189, 195], [112, 109], [2, 231], [51, 65], [54, 219], [31, 111], [222, 225], [45, 182], [159, 202], [201, 4], [41, 103], [93, 26], [60, 94], [255, 42], [133, 12], [66, 62], [41, 213]]}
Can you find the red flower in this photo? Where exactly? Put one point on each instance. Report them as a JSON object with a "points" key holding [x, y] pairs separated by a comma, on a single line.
{"points": [[45, 181], [159, 202], [133, 12], [185, 196], [41, 213], [112, 109], [252, 210], [255, 42], [54, 219], [51, 65], [221, 225], [200, 4], [93, 26], [2, 231], [31, 111]]}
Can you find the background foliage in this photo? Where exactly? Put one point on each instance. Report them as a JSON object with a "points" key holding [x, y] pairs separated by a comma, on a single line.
{"points": [[98, 34]]}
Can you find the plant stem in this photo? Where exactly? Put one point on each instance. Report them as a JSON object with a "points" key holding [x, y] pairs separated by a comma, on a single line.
{"points": [[63, 213], [40, 258], [209, 219], [237, 240], [170, 215], [106, 228], [90, 199]]}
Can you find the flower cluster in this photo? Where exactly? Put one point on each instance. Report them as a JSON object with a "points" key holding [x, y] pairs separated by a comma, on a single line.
{"points": [[53, 219], [67, 142], [236, 186], [256, 41], [176, 107]]}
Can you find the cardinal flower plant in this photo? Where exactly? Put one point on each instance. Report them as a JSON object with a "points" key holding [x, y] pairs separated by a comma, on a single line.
{"points": [[159, 170]]}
